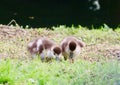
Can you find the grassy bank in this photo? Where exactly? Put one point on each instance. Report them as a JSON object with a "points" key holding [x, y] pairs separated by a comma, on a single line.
{"points": [[98, 63]]}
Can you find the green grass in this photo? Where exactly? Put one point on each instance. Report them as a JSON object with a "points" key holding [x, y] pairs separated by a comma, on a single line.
{"points": [[16, 72], [95, 65]]}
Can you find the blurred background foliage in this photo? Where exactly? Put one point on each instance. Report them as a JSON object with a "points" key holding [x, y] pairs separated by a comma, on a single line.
{"points": [[48, 13]]}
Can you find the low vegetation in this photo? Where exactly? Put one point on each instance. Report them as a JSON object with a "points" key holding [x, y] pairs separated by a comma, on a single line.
{"points": [[98, 63]]}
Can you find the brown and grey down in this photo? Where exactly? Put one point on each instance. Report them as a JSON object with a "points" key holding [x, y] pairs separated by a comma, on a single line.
{"points": [[45, 48], [71, 47]]}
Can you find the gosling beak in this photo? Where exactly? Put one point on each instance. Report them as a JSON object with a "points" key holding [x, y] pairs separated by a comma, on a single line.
{"points": [[57, 58], [71, 57]]}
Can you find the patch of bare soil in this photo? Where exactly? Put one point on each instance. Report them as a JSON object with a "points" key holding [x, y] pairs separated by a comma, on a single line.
{"points": [[101, 51], [10, 32]]}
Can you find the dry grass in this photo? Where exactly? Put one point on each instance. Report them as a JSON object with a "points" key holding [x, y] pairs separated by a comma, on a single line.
{"points": [[93, 67], [13, 41]]}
